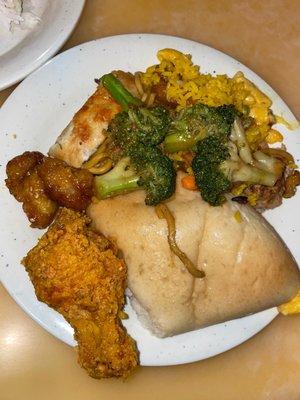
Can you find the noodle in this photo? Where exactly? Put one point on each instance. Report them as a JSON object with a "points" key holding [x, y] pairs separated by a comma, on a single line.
{"points": [[95, 159], [282, 155], [147, 97], [151, 99], [101, 169], [100, 162], [163, 212], [144, 97], [138, 83]]}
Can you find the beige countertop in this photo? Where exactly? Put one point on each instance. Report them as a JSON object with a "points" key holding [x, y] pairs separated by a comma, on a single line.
{"points": [[33, 364]]}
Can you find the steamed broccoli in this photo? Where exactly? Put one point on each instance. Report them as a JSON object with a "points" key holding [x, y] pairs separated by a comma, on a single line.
{"points": [[210, 179], [135, 134], [223, 155], [197, 122], [144, 167], [156, 171], [120, 180], [136, 124], [217, 165], [139, 125]]}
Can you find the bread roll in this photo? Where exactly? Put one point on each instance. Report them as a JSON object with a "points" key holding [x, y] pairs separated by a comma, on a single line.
{"points": [[248, 267]]}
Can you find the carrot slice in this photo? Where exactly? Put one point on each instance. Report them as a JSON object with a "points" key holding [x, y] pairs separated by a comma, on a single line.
{"points": [[189, 183]]}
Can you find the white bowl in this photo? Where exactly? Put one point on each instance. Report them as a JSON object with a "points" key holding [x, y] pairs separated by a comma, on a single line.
{"points": [[24, 50]]}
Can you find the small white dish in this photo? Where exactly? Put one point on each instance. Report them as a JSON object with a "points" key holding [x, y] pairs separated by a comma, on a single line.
{"points": [[25, 49], [33, 117]]}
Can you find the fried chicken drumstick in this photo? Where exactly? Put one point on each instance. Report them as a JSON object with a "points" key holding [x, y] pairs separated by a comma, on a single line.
{"points": [[75, 270]]}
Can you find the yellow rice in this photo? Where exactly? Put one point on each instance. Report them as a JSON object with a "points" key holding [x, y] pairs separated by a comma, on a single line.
{"points": [[186, 85]]}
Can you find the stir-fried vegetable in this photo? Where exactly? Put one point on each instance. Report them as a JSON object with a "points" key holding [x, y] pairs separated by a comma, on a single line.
{"points": [[136, 124], [120, 180], [163, 212], [139, 125], [119, 92], [189, 183], [214, 136], [195, 123], [220, 162], [135, 134], [145, 168]]}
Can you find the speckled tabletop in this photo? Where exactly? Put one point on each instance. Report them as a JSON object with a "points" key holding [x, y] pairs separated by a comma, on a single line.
{"points": [[33, 364]]}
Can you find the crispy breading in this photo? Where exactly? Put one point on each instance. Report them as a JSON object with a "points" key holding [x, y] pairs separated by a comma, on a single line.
{"points": [[75, 270]]}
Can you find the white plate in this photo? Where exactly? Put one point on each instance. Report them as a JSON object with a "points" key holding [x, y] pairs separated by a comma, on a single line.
{"points": [[24, 50], [41, 107]]}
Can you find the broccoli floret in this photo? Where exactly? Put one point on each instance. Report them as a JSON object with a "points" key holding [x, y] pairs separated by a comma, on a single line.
{"points": [[134, 135], [120, 180], [136, 124], [228, 114], [211, 181], [139, 125], [217, 165], [197, 122], [145, 168], [156, 171]]}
